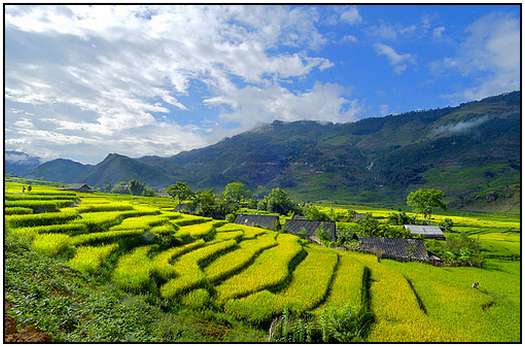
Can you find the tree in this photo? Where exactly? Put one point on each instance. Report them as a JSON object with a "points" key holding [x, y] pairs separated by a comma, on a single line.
{"points": [[120, 188], [210, 206], [425, 200], [312, 213], [179, 191], [237, 192], [277, 201], [136, 187]]}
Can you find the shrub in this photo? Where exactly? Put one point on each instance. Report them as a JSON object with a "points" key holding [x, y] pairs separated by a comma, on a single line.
{"points": [[459, 250], [312, 213], [401, 219], [344, 324], [447, 224], [230, 217]]}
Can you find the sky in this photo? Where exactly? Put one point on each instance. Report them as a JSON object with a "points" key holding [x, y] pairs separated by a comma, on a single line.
{"points": [[83, 81]]}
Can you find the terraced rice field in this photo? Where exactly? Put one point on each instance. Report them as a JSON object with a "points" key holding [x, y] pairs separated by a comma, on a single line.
{"points": [[253, 274]]}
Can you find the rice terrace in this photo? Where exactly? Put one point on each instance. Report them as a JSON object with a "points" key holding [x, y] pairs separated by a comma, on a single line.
{"points": [[282, 210]]}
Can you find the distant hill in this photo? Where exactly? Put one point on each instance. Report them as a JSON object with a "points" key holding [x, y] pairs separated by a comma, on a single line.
{"points": [[472, 151], [20, 163]]}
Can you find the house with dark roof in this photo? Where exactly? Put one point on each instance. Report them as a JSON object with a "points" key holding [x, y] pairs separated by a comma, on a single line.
{"points": [[84, 188], [302, 226], [394, 248], [426, 231], [258, 220]]}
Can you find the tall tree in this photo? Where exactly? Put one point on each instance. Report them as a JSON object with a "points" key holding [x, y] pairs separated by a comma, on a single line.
{"points": [[424, 200], [135, 187], [237, 192], [179, 191], [277, 201]]}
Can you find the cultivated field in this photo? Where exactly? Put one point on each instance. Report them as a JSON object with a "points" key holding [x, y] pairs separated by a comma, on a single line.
{"points": [[106, 267]]}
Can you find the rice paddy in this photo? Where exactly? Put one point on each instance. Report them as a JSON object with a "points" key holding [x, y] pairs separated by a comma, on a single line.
{"points": [[252, 275]]}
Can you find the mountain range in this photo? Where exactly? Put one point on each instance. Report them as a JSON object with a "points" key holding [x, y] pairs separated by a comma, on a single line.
{"points": [[471, 151]]}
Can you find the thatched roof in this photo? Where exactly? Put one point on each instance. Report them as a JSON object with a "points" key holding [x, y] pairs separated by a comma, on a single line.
{"points": [[427, 231], [258, 220], [399, 249], [296, 226]]}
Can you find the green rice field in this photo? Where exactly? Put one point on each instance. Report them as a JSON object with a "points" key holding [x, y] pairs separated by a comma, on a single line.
{"points": [[98, 267]]}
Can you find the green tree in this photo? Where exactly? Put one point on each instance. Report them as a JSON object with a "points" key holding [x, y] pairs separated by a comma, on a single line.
{"points": [[136, 187], [120, 188], [237, 193], [312, 213], [425, 200], [179, 191], [277, 201]]}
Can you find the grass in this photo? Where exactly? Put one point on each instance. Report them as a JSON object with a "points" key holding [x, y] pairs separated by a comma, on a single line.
{"points": [[162, 261], [346, 285], [230, 277], [89, 259], [188, 269], [270, 269], [29, 220], [17, 210], [133, 270], [236, 260], [308, 286]]}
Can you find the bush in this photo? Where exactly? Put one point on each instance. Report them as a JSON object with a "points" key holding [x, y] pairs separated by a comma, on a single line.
{"points": [[230, 217], [312, 213], [343, 324], [458, 250], [401, 219], [345, 234], [447, 225]]}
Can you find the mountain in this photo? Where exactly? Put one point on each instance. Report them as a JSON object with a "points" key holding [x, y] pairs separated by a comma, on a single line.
{"points": [[60, 170], [20, 163], [112, 169], [471, 151]]}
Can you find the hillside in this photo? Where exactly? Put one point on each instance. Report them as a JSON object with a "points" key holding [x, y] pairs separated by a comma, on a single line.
{"points": [[471, 151], [107, 267]]}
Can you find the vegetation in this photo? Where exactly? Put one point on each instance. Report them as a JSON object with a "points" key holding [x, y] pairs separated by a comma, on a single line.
{"points": [[131, 269], [425, 200]]}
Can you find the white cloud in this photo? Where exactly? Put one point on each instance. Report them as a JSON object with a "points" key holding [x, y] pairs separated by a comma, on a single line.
{"points": [[349, 39], [437, 33], [489, 55], [324, 102], [351, 15], [398, 61], [104, 76]]}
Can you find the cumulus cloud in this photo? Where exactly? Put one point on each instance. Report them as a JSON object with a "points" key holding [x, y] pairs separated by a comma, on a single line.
{"points": [[113, 78], [324, 102], [398, 61], [489, 54], [351, 15], [437, 33]]}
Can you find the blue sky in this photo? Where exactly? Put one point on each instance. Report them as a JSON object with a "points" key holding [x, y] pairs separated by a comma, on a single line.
{"points": [[84, 81]]}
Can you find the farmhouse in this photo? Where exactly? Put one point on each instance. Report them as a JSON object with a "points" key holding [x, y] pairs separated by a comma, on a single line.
{"points": [[79, 188], [426, 231], [299, 226], [258, 220], [398, 249]]}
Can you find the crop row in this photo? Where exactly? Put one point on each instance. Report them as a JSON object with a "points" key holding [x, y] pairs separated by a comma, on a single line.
{"points": [[268, 270], [187, 268], [162, 261], [90, 258], [308, 287], [17, 210], [40, 205], [39, 219], [18, 197], [133, 270], [234, 261]]}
